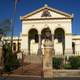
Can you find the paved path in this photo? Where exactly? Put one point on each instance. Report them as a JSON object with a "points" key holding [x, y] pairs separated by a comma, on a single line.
{"points": [[38, 78], [21, 78], [29, 69], [65, 78]]}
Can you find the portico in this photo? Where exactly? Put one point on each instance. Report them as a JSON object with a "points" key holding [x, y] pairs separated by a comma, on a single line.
{"points": [[33, 31]]}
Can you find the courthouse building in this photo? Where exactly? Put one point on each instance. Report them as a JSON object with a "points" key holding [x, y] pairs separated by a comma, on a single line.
{"points": [[58, 22]]}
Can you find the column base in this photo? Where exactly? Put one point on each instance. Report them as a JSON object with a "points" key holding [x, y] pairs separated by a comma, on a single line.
{"points": [[39, 52], [48, 73], [68, 52]]}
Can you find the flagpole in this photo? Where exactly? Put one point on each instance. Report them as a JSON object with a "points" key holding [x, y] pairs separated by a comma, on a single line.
{"points": [[13, 23]]}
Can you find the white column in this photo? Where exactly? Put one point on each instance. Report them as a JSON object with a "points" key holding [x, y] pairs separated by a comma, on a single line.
{"points": [[53, 39], [39, 46], [24, 44], [68, 45], [53, 44]]}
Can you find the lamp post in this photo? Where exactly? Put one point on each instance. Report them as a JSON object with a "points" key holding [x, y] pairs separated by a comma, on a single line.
{"points": [[1, 53], [13, 22], [42, 72], [22, 62]]}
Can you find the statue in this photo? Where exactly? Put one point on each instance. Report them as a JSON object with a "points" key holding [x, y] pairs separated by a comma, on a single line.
{"points": [[48, 51]]}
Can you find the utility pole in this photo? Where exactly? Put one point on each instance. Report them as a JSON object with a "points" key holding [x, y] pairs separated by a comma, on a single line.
{"points": [[13, 22]]}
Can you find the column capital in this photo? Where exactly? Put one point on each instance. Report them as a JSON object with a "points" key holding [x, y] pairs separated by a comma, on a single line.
{"points": [[52, 34], [24, 35], [39, 32]]}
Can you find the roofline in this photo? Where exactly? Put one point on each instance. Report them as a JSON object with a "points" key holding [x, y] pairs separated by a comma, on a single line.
{"points": [[49, 8], [45, 19]]}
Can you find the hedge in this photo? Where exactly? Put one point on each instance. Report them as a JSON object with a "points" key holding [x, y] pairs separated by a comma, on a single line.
{"points": [[57, 62], [74, 62]]}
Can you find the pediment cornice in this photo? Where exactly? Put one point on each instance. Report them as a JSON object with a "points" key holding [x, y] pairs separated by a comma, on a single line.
{"points": [[50, 9]]}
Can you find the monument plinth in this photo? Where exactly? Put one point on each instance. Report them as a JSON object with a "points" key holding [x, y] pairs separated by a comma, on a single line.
{"points": [[47, 59]]}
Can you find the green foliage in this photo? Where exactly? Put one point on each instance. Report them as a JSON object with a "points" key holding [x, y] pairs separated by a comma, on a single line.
{"points": [[5, 26], [75, 62], [10, 60], [67, 66], [1, 31], [57, 62]]}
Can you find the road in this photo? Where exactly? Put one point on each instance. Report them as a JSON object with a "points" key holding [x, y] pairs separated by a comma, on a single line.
{"points": [[65, 78], [38, 78], [20, 78]]}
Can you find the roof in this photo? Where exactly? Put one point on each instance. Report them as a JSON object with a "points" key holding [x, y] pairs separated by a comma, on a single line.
{"points": [[50, 9]]}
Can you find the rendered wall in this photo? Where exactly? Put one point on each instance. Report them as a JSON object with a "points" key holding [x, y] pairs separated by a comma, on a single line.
{"points": [[39, 25]]}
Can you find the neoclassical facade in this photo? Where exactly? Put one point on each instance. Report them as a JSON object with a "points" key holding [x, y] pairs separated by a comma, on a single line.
{"points": [[59, 23], [33, 30]]}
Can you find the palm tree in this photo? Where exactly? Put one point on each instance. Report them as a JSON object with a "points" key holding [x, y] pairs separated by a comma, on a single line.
{"points": [[5, 27], [1, 33]]}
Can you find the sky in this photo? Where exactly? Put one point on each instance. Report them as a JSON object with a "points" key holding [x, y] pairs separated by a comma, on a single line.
{"points": [[26, 6]]}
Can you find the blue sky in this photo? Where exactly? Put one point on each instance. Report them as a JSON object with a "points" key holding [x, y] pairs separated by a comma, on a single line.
{"points": [[27, 6]]}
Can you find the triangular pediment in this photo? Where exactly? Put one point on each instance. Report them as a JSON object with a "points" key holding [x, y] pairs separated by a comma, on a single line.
{"points": [[46, 12]]}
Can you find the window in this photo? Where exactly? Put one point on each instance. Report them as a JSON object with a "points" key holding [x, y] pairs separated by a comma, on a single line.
{"points": [[14, 46]]}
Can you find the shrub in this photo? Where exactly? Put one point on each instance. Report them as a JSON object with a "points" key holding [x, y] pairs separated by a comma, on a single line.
{"points": [[57, 62], [67, 66], [10, 61], [75, 62]]}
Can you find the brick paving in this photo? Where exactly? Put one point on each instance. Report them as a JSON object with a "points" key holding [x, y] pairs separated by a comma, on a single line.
{"points": [[34, 78], [29, 69], [20, 78], [27, 72]]}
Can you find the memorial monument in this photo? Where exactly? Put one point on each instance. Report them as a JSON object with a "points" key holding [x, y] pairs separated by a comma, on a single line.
{"points": [[48, 52]]}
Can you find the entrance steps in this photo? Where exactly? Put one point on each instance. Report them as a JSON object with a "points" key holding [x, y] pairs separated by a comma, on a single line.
{"points": [[33, 59], [29, 69]]}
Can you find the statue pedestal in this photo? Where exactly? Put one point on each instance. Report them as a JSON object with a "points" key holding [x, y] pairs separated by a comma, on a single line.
{"points": [[47, 63], [47, 59], [48, 73]]}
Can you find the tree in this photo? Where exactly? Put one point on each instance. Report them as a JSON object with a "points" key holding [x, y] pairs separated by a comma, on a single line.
{"points": [[10, 60], [1, 33], [5, 27]]}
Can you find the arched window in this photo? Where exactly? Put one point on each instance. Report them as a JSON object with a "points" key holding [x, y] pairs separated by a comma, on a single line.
{"points": [[19, 46], [14, 46], [59, 34], [32, 35], [44, 33], [73, 47]]}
